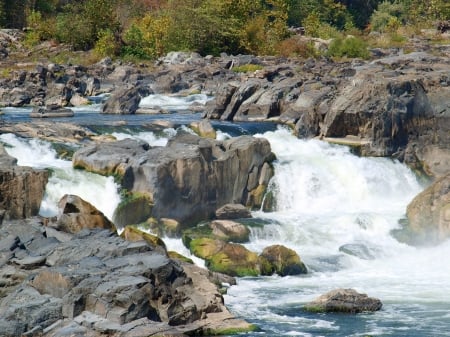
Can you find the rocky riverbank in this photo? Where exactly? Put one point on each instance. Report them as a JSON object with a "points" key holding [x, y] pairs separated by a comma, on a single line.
{"points": [[91, 282]]}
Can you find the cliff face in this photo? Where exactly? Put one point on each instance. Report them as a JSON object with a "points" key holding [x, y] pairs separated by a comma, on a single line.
{"points": [[21, 188], [189, 178]]}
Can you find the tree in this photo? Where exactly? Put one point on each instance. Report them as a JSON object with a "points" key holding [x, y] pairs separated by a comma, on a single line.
{"points": [[360, 10]]}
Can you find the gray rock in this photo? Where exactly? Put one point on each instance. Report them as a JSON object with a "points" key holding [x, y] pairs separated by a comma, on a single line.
{"points": [[344, 301], [125, 100], [189, 178], [233, 211]]}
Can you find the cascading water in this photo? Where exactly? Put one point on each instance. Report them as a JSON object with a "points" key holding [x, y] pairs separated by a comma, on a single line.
{"points": [[334, 209], [337, 211], [102, 192]]}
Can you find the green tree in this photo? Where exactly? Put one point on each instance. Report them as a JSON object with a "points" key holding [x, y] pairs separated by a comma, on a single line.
{"points": [[388, 16], [80, 23], [360, 10]]}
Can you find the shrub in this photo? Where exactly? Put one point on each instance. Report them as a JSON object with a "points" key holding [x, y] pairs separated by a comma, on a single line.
{"points": [[316, 28], [388, 17], [352, 47], [294, 47], [40, 28], [107, 44]]}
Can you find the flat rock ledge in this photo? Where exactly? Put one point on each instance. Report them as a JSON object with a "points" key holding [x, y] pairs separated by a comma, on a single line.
{"points": [[95, 283], [344, 301]]}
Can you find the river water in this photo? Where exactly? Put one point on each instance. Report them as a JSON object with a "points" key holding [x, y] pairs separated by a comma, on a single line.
{"points": [[336, 210]]}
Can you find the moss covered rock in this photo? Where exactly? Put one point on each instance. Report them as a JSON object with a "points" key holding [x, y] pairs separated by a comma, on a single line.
{"points": [[283, 260], [229, 258], [133, 234], [134, 209]]}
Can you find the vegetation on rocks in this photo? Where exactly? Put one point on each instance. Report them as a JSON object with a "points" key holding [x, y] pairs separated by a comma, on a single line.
{"points": [[146, 29]]}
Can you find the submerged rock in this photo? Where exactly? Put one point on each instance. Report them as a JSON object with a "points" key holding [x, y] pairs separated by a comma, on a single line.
{"points": [[344, 301]]}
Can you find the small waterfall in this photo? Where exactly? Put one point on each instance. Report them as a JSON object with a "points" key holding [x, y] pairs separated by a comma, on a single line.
{"points": [[337, 210], [102, 192]]}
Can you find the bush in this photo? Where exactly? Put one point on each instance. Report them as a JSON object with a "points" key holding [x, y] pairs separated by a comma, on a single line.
{"points": [[75, 30], [294, 47], [316, 28], [352, 47], [388, 17], [40, 29], [107, 44]]}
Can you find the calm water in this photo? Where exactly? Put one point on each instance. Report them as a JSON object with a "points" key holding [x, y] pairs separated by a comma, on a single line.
{"points": [[326, 198]]}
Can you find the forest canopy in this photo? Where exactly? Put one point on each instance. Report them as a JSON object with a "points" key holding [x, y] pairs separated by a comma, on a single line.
{"points": [[146, 29]]}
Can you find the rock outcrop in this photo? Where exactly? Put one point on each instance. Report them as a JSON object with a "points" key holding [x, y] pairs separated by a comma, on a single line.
{"points": [[344, 301], [428, 215], [189, 178], [94, 282], [76, 214], [21, 188]]}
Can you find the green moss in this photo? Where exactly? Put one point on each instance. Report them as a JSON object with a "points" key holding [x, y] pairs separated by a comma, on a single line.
{"points": [[132, 234], [177, 256], [134, 208], [201, 231]]}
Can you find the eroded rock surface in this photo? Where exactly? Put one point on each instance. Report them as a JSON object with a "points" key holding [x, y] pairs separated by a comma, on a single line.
{"points": [[189, 178]]}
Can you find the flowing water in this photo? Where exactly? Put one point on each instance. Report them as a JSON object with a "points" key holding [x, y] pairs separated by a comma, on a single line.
{"points": [[336, 210]]}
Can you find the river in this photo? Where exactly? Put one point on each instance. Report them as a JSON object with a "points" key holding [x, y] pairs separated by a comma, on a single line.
{"points": [[335, 209]]}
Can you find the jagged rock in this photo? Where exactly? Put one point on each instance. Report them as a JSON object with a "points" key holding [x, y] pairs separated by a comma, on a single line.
{"points": [[75, 214], [284, 260], [189, 178], [21, 188], [345, 301], [234, 211], [95, 283], [125, 100]]}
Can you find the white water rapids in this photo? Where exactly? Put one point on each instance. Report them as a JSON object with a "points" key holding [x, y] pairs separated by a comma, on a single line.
{"points": [[327, 198]]}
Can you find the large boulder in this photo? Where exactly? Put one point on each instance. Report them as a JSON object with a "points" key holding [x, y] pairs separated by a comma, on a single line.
{"points": [[125, 101], [344, 301], [76, 214], [229, 258], [428, 215], [189, 178], [21, 188], [285, 261]]}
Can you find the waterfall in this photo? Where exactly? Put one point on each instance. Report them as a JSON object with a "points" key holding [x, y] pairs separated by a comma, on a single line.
{"points": [[102, 192], [337, 211]]}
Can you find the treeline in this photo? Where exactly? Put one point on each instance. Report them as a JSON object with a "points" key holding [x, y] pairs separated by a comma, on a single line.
{"points": [[149, 28]]}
